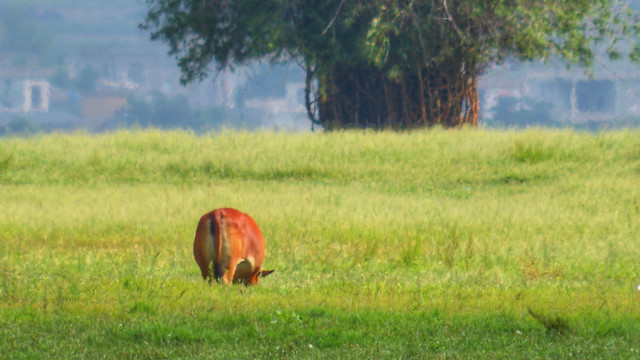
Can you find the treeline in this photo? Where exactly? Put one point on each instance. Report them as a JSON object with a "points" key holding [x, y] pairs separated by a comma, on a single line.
{"points": [[174, 112], [149, 111]]}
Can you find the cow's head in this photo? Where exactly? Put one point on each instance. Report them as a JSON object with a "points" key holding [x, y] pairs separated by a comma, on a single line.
{"points": [[258, 275]]}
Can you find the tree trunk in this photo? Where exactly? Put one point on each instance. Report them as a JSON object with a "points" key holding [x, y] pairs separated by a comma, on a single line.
{"points": [[366, 97]]}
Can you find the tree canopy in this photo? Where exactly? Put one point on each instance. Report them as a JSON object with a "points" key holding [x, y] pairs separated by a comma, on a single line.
{"points": [[389, 63]]}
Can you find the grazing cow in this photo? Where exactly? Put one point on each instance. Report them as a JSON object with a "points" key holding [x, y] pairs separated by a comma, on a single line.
{"points": [[229, 245]]}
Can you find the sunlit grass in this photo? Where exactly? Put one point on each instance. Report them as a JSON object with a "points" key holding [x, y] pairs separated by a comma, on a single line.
{"points": [[430, 240]]}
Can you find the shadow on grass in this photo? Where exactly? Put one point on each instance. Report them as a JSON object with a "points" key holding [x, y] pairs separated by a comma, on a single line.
{"points": [[554, 324]]}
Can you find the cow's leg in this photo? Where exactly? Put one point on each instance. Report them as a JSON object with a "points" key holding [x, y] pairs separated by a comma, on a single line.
{"points": [[239, 267], [204, 267], [226, 270]]}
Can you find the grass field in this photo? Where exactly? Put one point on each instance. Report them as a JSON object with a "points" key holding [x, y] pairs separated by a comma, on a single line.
{"points": [[431, 244]]}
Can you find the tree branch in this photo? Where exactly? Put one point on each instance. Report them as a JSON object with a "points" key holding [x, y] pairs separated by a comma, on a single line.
{"points": [[310, 105], [334, 19], [450, 18]]}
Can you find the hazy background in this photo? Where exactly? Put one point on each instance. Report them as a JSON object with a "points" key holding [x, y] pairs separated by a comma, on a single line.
{"points": [[69, 64]]}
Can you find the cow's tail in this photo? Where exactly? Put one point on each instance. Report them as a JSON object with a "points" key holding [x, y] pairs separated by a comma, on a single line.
{"points": [[219, 236]]}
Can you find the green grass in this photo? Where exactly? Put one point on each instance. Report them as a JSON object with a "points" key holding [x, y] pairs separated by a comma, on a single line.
{"points": [[430, 244]]}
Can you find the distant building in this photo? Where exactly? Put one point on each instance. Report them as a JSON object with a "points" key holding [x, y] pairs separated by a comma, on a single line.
{"points": [[560, 96]]}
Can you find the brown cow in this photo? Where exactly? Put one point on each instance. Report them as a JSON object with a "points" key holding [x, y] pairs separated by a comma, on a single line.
{"points": [[229, 245]]}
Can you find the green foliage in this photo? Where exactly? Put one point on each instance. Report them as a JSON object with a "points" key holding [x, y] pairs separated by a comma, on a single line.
{"points": [[424, 244], [384, 33], [370, 57], [531, 152], [175, 112]]}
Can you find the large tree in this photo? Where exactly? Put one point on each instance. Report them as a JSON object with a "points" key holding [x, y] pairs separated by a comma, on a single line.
{"points": [[389, 63]]}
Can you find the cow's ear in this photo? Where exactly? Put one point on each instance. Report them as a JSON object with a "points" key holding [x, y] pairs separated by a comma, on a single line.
{"points": [[264, 273]]}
